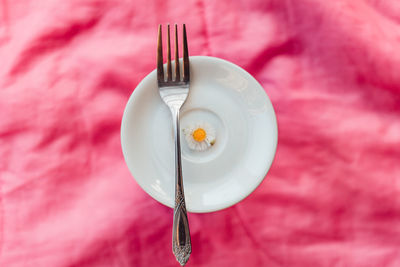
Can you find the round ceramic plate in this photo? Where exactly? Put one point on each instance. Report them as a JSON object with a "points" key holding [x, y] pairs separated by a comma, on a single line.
{"points": [[228, 99]]}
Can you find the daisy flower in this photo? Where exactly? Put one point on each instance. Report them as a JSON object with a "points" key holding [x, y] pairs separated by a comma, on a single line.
{"points": [[199, 136]]}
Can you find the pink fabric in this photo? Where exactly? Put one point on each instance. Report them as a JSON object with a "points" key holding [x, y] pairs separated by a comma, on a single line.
{"points": [[331, 69]]}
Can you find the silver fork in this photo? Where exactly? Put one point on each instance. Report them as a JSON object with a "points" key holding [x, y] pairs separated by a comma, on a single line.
{"points": [[174, 93]]}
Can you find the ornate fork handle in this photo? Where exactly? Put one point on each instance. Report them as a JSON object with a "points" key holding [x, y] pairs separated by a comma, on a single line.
{"points": [[181, 243]]}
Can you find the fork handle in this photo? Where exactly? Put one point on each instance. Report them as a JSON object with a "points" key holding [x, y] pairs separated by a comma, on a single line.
{"points": [[181, 243]]}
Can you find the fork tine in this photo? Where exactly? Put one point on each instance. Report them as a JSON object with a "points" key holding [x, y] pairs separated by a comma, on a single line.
{"points": [[169, 69], [186, 70], [177, 70], [160, 65]]}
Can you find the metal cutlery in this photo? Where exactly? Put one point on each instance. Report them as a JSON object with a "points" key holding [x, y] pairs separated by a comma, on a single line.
{"points": [[174, 91]]}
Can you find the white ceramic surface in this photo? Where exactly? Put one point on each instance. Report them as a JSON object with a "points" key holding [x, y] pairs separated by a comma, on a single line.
{"points": [[234, 103]]}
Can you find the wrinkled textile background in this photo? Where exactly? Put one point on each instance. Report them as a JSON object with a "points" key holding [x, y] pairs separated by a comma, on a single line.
{"points": [[331, 69]]}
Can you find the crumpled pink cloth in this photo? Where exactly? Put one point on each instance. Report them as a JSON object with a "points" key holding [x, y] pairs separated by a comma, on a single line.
{"points": [[331, 69]]}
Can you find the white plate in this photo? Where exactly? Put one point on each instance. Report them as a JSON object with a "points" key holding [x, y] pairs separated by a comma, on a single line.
{"points": [[226, 97]]}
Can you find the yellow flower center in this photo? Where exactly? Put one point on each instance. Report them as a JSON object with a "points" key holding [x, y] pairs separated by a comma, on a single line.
{"points": [[199, 134]]}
